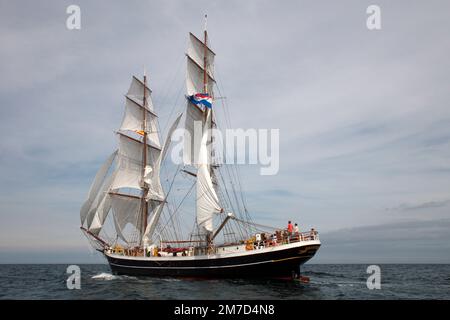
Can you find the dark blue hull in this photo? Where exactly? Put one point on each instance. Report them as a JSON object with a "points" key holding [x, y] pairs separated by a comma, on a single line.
{"points": [[281, 263]]}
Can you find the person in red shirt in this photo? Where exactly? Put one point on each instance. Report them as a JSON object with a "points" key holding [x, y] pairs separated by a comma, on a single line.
{"points": [[290, 228]]}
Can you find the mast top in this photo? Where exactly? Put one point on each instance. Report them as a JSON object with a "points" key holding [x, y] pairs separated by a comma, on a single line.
{"points": [[205, 46]]}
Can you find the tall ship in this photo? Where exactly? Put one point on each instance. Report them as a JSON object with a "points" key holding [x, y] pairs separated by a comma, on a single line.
{"points": [[192, 222]]}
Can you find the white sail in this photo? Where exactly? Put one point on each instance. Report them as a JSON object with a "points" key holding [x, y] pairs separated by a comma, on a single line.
{"points": [[196, 50], [194, 79], [207, 200], [136, 93], [95, 187], [153, 177], [129, 164], [126, 210], [100, 215], [97, 207], [159, 206], [193, 133], [168, 139], [195, 84], [133, 121], [107, 193], [151, 226]]}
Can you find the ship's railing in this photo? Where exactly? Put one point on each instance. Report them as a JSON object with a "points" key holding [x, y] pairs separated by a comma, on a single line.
{"points": [[284, 237], [187, 248], [303, 236], [280, 237]]}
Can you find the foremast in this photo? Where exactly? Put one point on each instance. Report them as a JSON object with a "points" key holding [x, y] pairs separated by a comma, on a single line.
{"points": [[128, 183], [145, 188]]}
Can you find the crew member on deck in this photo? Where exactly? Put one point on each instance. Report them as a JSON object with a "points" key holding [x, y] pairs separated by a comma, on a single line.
{"points": [[313, 234], [296, 232], [289, 228]]}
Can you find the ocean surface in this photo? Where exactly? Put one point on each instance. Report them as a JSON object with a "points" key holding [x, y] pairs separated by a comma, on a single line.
{"points": [[327, 281]]}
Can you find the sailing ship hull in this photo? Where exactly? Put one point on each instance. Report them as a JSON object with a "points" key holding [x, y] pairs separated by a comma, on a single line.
{"points": [[275, 262]]}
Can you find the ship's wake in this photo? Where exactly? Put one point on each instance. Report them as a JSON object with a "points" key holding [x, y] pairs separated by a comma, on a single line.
{"points": [[105, 276], [108, 276]]}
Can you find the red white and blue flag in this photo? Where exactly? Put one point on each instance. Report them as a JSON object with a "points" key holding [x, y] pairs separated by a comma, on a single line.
{"points": [[201, 99]]}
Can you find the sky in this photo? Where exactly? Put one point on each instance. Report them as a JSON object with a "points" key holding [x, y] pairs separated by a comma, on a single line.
{"points": [[363, 115]]}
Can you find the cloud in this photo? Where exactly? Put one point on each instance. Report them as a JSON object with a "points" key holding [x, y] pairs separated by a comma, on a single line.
{"points": [[423, 205], [405, 242], [363, 116]]}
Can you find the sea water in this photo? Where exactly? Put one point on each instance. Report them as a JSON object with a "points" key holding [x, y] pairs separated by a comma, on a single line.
{"points": [[327, 281]]}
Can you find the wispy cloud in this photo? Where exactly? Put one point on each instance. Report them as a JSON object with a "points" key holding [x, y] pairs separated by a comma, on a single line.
{"points": [[363, 116], [406, 242], [422, 205]]}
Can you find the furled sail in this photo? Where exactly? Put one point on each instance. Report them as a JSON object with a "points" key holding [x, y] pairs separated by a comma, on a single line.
{"points": [[207, 200], [95, 187]]}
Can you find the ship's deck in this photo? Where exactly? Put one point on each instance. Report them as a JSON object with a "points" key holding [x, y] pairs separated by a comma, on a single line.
{"points": [[220, 251]]}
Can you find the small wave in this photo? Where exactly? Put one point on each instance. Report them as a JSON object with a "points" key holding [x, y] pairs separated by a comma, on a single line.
{"points": [[174, 279], [105, 276], [345, 285]]}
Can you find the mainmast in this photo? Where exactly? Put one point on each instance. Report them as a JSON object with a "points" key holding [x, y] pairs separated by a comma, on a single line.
{"points": [[205, 87], [205, 53], [145, 188], [199, 86], [208, 126]]}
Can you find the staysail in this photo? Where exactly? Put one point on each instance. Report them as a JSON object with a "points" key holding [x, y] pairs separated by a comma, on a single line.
{"points": [[207, 200], [99, 205], [159, 206], [93, 193]]}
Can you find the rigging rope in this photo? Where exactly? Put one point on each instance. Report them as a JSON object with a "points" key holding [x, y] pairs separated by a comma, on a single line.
{"points": [[257, 224], [190, 190]]}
